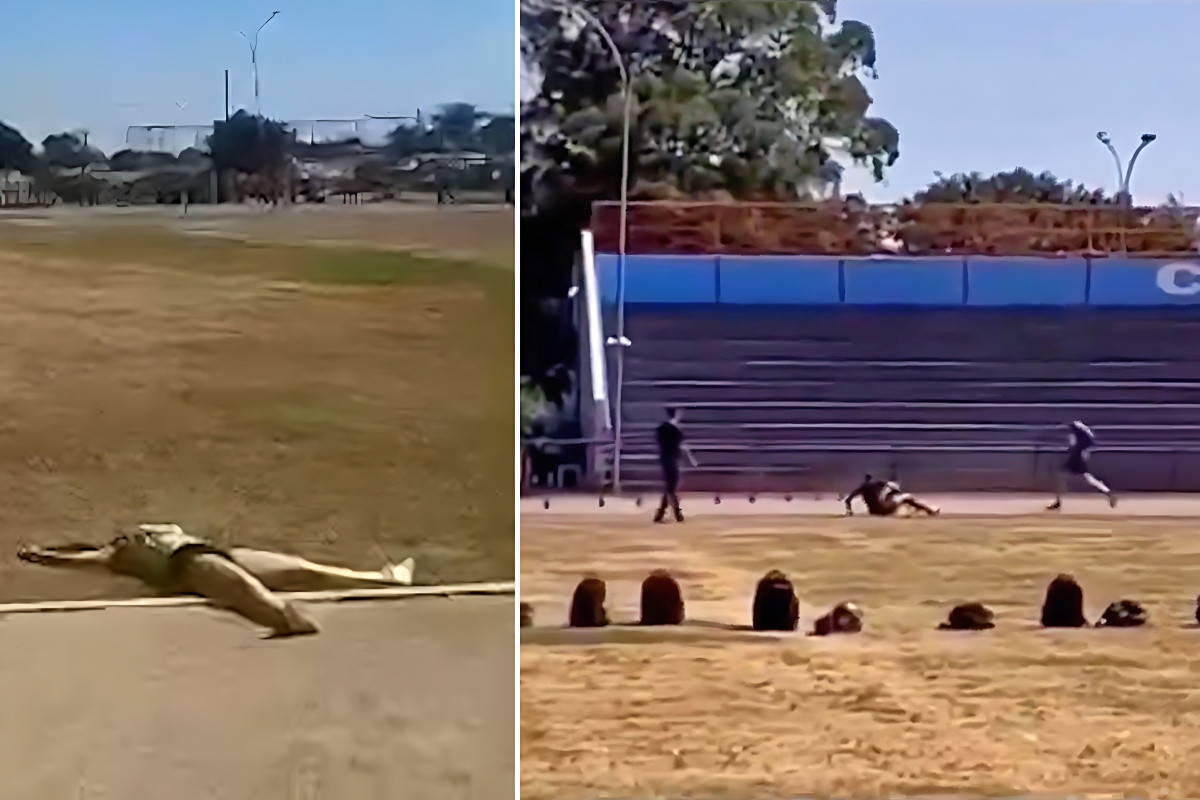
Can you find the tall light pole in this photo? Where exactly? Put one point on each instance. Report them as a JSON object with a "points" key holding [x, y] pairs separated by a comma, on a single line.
{"points": [[1125, 175], [254, 58], [620, 342]]}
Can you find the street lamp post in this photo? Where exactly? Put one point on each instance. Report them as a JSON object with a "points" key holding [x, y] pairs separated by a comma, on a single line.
{"points": [[254, 58], [1125, 175], [620, 341]]}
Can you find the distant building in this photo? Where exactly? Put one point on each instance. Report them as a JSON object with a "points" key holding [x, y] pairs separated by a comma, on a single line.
{"points": [[16, 189]]}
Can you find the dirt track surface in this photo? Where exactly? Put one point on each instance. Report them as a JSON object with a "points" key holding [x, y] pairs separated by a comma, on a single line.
{"points": [[702, 505], [901, 709], [401, 699]]}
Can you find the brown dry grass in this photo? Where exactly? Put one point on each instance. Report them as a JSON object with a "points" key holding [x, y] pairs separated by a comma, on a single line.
{"points": [[899, 709], [480, 234], [318, 400]]}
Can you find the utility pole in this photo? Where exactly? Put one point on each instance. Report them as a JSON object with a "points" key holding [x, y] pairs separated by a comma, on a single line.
{"points": [[254, 58]]}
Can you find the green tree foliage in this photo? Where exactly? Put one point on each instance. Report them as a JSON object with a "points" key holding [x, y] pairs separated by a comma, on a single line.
{"points": [[69, 151], [744, 97], [497, 136], [1011, 186], [455, 127], [16, 152], [250, 144], [737, 95], [410, 139], [140, 160]]}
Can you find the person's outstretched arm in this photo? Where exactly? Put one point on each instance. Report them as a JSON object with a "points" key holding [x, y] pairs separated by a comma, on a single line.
{"points": [[858, 492], [81, 556], [687, 453]]}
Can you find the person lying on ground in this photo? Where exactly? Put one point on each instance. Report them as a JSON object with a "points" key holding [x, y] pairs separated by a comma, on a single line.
{"points": [[885, 498], [240, 579]]}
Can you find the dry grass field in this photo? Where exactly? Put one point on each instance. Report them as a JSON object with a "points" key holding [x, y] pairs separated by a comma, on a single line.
{"points": [[474, 233], [900, 709], [286, 392]]}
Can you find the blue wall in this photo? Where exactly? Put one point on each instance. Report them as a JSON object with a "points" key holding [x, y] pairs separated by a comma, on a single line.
{"points": [[946, 281]]}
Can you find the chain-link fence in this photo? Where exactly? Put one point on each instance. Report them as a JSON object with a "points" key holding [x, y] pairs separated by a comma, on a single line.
{"points": [[172, 139]]}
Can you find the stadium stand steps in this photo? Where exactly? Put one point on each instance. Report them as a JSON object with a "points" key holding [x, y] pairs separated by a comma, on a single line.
{"points": [[806, 399]]}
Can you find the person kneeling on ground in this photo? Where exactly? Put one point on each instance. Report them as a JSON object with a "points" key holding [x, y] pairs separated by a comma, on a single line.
{"points": [[885, 498], [239, 579]]}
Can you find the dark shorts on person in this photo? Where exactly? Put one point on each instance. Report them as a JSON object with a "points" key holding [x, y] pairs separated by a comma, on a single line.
{"points": [[1076, 463], [180, 558]]}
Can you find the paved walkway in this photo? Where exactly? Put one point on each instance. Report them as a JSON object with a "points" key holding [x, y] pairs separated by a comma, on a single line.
{"points": [[696, 505], [408, 698]]}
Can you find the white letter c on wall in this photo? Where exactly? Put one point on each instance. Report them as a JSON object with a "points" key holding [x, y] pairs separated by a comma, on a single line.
{"points": [[1168, 279]]}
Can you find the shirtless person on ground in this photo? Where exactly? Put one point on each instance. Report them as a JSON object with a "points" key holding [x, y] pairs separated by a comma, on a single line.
{"points": [[239, 579], [886, 498]]}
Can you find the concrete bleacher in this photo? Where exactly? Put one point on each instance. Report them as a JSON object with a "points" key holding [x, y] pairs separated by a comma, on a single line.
{"points": [[807, 398]]}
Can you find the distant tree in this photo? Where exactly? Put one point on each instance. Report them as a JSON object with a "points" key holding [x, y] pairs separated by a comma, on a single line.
{"points": [[249, 144], [747, 97], [139, 160], [498, 136], [195, 157], [407, 140], [456, 125], [16, 153], [742, 97], [68, 150], [1017, 185]]}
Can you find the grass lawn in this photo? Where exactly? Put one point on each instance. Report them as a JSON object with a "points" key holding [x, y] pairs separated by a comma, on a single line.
{"points": [[339, 403], [899, 710]]}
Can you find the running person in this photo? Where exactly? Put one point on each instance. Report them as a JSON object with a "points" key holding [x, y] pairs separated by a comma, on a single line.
{"points": [[885, 498], [669, 439], [1080, 441]]}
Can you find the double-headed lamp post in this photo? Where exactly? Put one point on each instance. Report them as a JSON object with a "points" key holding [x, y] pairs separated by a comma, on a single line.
{"points": [[1125, 174], [254, 57], [619, 341]]}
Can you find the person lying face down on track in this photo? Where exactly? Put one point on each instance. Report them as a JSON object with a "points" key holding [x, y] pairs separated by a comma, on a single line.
{"points": [[239, 579], [885, 499]]}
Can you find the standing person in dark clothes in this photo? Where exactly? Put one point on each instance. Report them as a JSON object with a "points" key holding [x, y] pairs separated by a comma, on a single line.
{"points": [[669, 438], [1080, 441]]}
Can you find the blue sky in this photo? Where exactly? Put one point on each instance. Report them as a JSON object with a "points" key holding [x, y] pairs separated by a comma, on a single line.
{"points": [[993, 84], [105, 65]]}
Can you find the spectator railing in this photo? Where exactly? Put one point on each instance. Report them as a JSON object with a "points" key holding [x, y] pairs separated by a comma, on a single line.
{"points": [[849, 228]]}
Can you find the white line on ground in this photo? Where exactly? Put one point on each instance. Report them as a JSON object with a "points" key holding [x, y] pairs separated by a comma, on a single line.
{"points": [[1040, 529], [382, 593]]}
